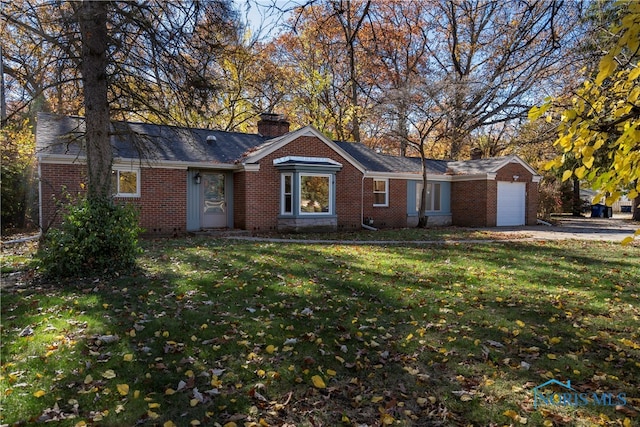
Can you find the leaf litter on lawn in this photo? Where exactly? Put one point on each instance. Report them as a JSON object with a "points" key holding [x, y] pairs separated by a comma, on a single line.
{"points": [[264, 334]]}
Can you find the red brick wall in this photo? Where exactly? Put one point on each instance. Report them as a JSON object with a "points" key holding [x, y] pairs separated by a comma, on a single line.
{"points": [[392, 216], [474, 203], [162, 196], [469, 203], [261, 196], [239, 198], [56, 182]]}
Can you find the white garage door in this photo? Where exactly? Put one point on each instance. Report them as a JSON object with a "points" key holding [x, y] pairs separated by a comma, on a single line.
{"points": [[511, 203]]}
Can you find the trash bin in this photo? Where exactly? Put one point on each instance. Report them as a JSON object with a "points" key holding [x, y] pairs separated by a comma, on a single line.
{"points": [[597, 210], [608, 212]]}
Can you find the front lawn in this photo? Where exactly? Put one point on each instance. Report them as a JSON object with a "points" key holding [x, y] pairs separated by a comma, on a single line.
{"points": [[221, 332]]}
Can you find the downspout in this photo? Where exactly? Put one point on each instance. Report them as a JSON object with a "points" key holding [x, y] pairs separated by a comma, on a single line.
{"points": [[365, 226]]}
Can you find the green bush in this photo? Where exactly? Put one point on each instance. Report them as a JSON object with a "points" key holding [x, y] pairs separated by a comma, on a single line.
{"points": [[95, 237]]}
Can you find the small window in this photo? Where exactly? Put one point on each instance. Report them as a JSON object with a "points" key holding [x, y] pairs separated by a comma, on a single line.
{"points": [[287, 194], [125, 183], [380, 192], [433, 196]]}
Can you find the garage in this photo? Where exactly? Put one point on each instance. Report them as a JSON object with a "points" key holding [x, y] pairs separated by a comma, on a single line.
{"points": [[511, 207]]}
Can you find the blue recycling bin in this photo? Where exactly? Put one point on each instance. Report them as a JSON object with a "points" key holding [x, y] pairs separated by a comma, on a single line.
{"points": [[597, 210]]}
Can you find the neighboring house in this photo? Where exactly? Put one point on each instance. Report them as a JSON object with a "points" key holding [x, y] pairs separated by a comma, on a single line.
{"points": [[185, 180]]}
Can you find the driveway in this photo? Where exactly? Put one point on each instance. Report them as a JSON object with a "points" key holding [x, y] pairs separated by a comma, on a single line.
{"points": [[579, 228]]}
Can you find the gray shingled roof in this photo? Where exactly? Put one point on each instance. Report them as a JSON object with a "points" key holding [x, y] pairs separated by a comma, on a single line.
{"points": [[480, 166], [59, 135], [375, 162]]}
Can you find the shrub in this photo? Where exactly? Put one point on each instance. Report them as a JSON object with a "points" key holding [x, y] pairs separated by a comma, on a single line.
{"points": [[95, 237]]}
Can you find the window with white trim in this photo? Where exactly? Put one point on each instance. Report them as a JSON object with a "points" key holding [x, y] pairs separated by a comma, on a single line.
{"points": [[433, 196], [125, 182], [380, 192], [315, 194], [287, 193]]}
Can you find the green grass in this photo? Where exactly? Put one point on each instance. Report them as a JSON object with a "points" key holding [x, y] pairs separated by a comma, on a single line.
{"points": [[405, 335]]}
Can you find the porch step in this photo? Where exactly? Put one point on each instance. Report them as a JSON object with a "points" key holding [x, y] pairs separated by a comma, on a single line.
{"points": [[220, 232]]}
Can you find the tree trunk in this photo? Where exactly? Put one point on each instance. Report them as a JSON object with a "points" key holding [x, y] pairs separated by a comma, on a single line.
{"points": [[93, 29], [576, 201], [636, 209], [422, 211]]}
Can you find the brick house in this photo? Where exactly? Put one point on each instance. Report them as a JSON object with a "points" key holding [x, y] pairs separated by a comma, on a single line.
{"points": [[185, 180]]}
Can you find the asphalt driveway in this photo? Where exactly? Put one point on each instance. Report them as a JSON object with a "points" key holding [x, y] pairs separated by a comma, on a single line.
{"points": [[580, 228]]}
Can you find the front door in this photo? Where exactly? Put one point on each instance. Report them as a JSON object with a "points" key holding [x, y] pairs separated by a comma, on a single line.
{"points": [[214, 204]]}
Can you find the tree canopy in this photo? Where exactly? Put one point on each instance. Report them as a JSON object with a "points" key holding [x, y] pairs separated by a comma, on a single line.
{"points": [[599, 128]]}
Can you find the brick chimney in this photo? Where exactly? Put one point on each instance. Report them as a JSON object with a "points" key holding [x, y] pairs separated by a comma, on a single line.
{"points": [[476, 153], [272, 125]]}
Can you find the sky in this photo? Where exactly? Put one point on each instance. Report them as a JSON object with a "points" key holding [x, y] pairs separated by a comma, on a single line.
{"points": [[265, 13]]}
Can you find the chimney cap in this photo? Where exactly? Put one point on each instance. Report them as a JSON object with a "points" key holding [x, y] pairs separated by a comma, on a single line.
{"points": [[273, 117]]}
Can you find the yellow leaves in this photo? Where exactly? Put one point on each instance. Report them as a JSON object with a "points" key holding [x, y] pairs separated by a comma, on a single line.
{"points": [[629, 343], [270, 349], [127, 357], [551, 356], [606, 67], [109, 374], [555, 340], [377, 399], [169, 424], [318, 382], [536, 112], [520, 323], [566, 175], [387, 419], [39, 393], [514, 416], [169, 391], [88, 379], [580, 172], [123, 389], [627, 240]]}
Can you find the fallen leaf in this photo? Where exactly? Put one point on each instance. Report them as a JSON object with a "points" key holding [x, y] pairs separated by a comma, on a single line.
{"points": [[123, 389], [318, 382], [109, 374], [39, 393]]}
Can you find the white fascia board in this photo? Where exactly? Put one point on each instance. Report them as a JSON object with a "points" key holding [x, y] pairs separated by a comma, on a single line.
{"points": [[145, 163], [516, 159], [283, 140], [406, 176], [252, 167], [306, 160], [477, 177]]}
